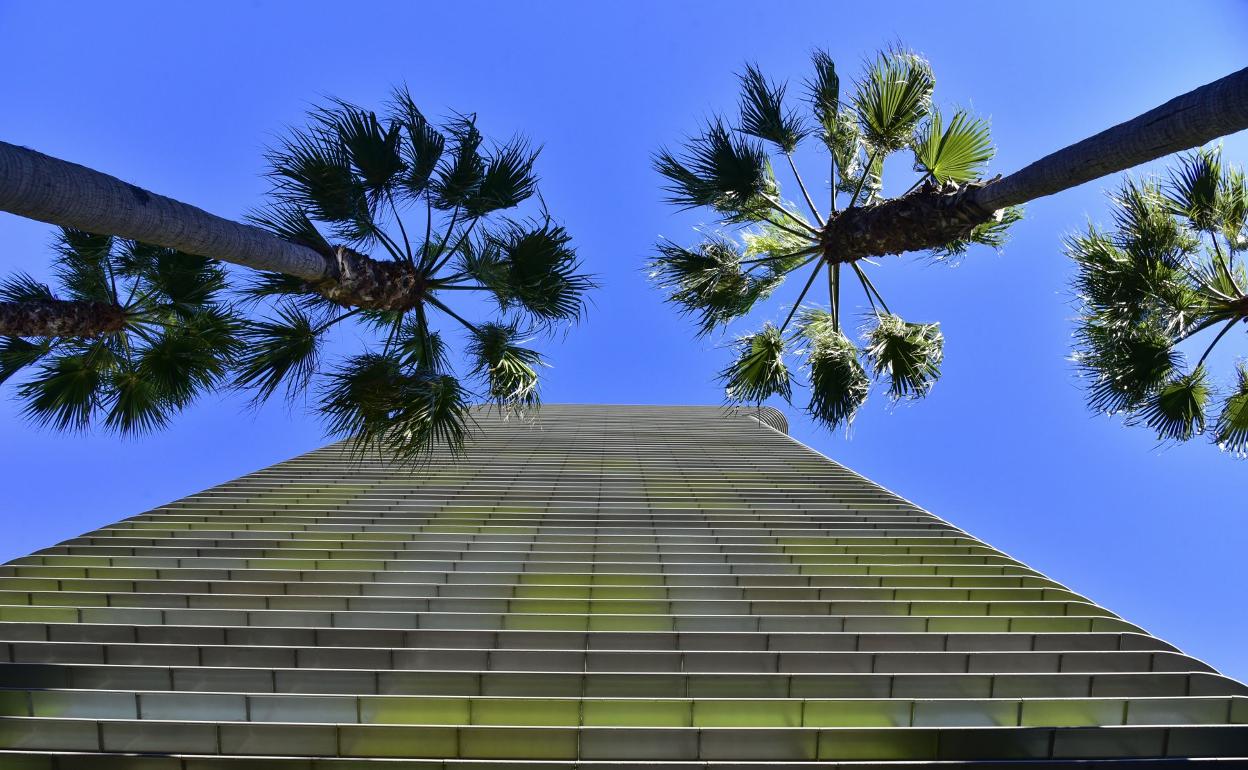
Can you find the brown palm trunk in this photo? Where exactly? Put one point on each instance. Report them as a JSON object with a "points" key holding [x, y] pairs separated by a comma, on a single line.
{"points": [[59, 318]]}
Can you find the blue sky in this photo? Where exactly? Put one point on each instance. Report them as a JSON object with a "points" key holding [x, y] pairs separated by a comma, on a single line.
{"points": [[182, 99]]}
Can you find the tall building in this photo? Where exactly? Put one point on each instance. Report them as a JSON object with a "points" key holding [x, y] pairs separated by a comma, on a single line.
{"points": [[640, 585]]}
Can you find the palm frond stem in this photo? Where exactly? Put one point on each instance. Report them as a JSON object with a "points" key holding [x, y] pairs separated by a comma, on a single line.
{"points": [[866, 171], [802, 185], [810, 282], [869, 288], [440, 306], [1215, 341]]}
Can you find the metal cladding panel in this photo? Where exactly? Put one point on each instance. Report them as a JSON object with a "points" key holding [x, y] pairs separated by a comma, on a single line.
{"points": [[589, 585]]}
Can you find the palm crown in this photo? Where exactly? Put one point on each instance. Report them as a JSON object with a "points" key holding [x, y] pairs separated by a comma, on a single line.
{"points": [[176, 338], [354, 180], [1164, 273], [761, 237]]}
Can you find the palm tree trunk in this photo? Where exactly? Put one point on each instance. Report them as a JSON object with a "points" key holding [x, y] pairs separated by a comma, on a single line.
{"points": [[59, 318], [933, 216], [41, 187], [1187, 121]]}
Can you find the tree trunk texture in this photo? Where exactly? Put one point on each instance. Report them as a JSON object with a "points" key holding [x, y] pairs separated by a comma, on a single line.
{"points": [[933, 216], [59, 318], [41, 187], [1187, 121]]}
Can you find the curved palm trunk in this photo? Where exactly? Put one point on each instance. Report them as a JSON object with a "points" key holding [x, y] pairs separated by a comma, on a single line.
{"points": [[933, 216], [59, 318], [41, 187], [1187, 121]]}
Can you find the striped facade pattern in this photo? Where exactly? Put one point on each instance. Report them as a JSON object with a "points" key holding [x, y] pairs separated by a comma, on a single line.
{"points": [[617, 586]]}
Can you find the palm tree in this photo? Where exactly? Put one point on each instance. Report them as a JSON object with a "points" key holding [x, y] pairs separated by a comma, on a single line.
{"points": [[142, 331], [1166, 272], [762, 237], [431, 200]]}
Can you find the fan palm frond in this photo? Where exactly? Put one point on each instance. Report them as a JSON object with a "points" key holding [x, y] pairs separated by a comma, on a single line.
{"points": [[1176, 410], [292, 224], [1231, 432], [892, 97], [909, 354], [994, 233], [838, 382], [24, 288], [708, 282], [1144, 226], [134, 403], [285, 348], [725, 172], [759, 371], [954, 153], [824, 94], [1194, 186], [1233, 205], [763, 114], [63, 392], [508, 370], [460, 173], [506, 181], [17, 353], [371, 148], [312, 172], [1124, 364], [423, 145], [379, 406], [532, 267]]}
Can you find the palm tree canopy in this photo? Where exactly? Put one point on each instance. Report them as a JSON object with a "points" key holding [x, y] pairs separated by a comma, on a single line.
{"points": [[1168, 270], [762, 237]]}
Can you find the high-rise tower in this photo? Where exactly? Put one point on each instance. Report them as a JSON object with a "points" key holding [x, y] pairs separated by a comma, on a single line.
{"points": [[643, 585]]}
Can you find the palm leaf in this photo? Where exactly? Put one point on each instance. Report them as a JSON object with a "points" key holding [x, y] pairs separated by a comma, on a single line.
{"points": [[957, 153], [708, 282], [763, 114], [759, 371], [285, 348], [891, 99], [1231, 432], [909, 354], [134, 403], [1176, 410], [17, 353], [423, 146], [719, 170], [507, 180], [64, 391], [459, 176], [1194, 187], [1123, 364], [824, 94], [23, 288], [508, 370], [838, 382], [313, 173], [532, 267]]}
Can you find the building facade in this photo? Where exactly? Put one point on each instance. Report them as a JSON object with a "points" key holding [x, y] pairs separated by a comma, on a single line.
{"points": [[680, 586]]}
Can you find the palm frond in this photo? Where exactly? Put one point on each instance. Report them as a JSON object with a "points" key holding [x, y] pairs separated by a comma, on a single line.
{"points": [[763, 114], [1193, 188], [759, 371], [313, 173], [708, 282], [292, 224], [508, 370], [423, 146], [954, 153], [824, 94], [370, 147], [285, 348], [994, 233], [17, 353], [83, 265], [24, 288], [422, 349], [460, 174], [63, 392], [531, 267], [186, 283], [507, 180], [191, 358], [134, 404], [1231, 432], [1176, 410], [1145, 228], [725, 172], [892, 97], [1123, 364], [1233, 207], [909, 354], [378, 406], [838, 382]]}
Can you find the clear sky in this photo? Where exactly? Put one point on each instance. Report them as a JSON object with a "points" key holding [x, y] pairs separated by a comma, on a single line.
{"points": [[182, 98]]}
